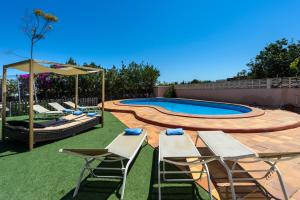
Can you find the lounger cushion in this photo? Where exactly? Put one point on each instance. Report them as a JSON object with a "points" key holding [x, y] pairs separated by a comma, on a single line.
{"points": [[133, 131], [175, 131], [67, 110], [77, 112], [91, 114]]}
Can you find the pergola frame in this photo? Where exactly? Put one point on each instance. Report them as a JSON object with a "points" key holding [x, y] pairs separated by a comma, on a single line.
{"points": [[72, 70]]}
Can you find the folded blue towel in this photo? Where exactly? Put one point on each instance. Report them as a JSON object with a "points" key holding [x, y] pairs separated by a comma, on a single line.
{"points": [[77, 112], [67, 110], [91, 114], [133, 131], [175, 131]]}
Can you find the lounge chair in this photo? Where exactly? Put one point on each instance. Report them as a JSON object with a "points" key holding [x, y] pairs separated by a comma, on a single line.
{"points": [[1, 106], [82, 108], [230, 149], [59, 107], [123, 149], [175, 150], [45, 112]]}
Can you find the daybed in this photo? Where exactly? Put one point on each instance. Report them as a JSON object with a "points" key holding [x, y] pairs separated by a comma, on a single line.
{"points": [[51, 130]]}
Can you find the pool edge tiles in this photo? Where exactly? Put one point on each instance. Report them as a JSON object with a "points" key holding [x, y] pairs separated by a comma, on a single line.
{"points": [[248, 111]]}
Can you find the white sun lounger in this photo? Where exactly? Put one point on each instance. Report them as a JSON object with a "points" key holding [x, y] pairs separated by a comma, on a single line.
{"points": [[83, 108], [228, 148], [44, 111], [175, 149], [123, 149], [58, 107], [1, 106]]}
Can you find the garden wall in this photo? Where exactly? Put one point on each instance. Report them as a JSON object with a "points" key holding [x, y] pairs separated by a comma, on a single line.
{"points": [[159, 91], [258, 96], [261, 97], [261, 92]]}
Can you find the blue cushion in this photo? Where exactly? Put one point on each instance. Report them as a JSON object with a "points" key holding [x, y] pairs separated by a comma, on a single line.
{"points": [[77, 112], [67, 110], [175, 131], [133, 131], [91, 114]]}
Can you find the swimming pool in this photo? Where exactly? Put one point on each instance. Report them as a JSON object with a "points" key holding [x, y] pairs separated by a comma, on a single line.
{"points": [[190, 106]]}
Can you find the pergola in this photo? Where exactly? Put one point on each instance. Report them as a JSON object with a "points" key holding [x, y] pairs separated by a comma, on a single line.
{"points": [[37, 67]]}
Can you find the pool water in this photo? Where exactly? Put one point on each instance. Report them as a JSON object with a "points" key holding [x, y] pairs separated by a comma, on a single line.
{"points": [[190, 106]]}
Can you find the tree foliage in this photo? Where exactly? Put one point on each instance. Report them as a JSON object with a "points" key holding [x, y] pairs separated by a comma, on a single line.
{"points": [[240, 76], [37, 25], [127, 81], [132, 80], [170, 93], [295, 66], [277, 59]]}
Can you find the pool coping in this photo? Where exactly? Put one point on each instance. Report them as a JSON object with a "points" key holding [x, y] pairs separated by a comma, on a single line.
{"points": [[255, 112], [263, 123]]}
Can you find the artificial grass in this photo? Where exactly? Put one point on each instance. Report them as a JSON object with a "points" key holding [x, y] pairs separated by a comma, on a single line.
{"points": [[46, 174]]}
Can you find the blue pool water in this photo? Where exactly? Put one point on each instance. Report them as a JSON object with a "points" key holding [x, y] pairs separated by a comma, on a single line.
{"points": [[190, 106]]}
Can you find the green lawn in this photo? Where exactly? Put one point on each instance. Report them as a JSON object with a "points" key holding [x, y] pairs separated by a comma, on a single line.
{"points": [[46, 174]]}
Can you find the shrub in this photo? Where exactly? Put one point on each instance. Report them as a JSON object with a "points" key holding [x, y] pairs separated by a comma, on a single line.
{"points": [[170, 93]]}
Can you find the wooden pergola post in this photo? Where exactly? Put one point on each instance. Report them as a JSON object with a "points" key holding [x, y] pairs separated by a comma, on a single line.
{"points": [[31, 74], [4, 91], [103, 96], [76, 92]]}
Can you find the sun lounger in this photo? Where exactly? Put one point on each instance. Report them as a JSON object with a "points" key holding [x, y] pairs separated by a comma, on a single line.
{"points": [[45, 112], [83, 108], [175, 150], [123, 149], [1, 106], [59, 107], [230, 149]]}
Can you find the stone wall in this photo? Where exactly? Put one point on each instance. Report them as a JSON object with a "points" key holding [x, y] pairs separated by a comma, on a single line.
{"points": [[159, 91]]}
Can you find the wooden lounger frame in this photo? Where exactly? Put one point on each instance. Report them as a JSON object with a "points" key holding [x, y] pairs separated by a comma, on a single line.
{"points": [[21, 133]]}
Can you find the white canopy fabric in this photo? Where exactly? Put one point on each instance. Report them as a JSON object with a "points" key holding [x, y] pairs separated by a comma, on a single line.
{"points": [[66, 70]]}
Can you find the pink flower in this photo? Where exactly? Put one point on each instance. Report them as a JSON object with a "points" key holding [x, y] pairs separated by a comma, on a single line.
{"points": [[24, 76]]}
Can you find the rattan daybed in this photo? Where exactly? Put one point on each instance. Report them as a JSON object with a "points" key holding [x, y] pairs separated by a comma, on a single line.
{"points": [[51, 130]]}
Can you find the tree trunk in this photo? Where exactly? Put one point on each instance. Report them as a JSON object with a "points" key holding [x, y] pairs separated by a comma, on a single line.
{"points": [[31, 49]]}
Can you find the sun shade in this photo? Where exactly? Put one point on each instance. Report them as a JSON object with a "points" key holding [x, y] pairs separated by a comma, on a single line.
{"points": [[39, 68]]}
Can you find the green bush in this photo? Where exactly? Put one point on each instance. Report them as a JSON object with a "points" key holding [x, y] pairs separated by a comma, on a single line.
{"points": [[170, 93]]}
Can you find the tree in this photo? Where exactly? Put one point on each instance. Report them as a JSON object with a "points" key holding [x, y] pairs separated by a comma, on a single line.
{"points": [[275, 60], [71, 61], [37, 25], [132, 80], [295, 66], [240, 75], [195, 81]]}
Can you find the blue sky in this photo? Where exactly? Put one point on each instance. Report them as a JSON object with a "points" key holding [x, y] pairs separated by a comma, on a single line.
{"points": [[207, 40]]}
